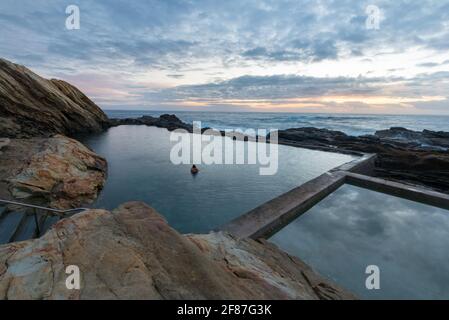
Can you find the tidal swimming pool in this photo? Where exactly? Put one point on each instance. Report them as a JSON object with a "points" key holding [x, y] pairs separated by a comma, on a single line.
{"points": [[140, 169], [354, 228]]}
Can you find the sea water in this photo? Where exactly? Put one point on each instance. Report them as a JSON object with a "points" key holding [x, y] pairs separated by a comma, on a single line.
{"points": [[348, 123]]}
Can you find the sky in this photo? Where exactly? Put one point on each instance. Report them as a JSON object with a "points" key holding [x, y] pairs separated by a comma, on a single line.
{"points": [[334, 56]]}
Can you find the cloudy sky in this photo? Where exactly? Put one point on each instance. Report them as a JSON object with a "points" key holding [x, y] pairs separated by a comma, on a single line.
{"points": [[243, 55]]}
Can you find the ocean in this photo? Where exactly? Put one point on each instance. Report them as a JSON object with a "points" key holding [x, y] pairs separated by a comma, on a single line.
{"points": [[351, 124]]}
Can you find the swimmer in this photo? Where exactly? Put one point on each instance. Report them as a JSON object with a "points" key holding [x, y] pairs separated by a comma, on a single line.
{"points": [[194, 170]]}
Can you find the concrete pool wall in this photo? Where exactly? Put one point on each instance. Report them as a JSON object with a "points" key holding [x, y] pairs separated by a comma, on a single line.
{"points": [[267, 219]]}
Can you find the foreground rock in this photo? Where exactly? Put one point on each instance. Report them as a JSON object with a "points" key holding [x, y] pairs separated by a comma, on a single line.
{"points": [[133, 254], [33, 106], [59, 172]]}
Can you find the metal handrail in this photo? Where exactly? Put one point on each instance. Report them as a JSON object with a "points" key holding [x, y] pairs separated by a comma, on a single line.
{"points": [[42, 208], [35, 208]]}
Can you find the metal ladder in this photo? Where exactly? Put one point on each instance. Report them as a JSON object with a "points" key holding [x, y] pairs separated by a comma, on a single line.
{"points": [[22, 221]]}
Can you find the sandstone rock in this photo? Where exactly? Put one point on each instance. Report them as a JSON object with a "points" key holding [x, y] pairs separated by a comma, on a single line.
{"points": [[59, 172], [33, 106], [132, 253]]}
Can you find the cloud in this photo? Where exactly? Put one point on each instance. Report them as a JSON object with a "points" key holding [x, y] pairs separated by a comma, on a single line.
{"points": [[433, 64], [277, 87], [250, 45], [271, 30], [314, 94], [300, 51], [176, 76]]}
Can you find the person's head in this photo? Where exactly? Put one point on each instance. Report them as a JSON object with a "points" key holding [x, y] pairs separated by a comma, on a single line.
{"points": [[194, 166]]}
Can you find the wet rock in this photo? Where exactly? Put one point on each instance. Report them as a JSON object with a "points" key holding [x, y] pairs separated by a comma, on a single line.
{"points": [[132, 253], [167, 121], [419, 158], [33, 106], [425, 139]]}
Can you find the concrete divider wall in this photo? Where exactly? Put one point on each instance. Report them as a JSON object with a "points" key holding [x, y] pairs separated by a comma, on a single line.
{"points": [[267, 219]]}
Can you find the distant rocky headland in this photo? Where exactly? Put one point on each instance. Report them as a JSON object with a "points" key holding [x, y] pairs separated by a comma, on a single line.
{"points": [[137, 254]]}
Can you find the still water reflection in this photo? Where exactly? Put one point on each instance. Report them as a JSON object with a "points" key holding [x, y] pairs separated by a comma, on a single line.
{"points": [[354, 228]]}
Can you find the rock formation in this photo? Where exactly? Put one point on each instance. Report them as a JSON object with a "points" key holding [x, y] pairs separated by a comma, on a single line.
{"points": [[37, 163], [132, 253], [171, 122], [167, 121], [59, 172], [420, 158], [395, 137], [33, 106], [425, 139]]}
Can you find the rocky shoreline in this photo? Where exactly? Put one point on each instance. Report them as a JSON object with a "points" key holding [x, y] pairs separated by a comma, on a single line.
{"points": [[417, 158]]}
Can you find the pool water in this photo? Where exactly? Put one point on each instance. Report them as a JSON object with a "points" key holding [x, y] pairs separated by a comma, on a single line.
{"points": [[354, 228], [140, 169]]}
